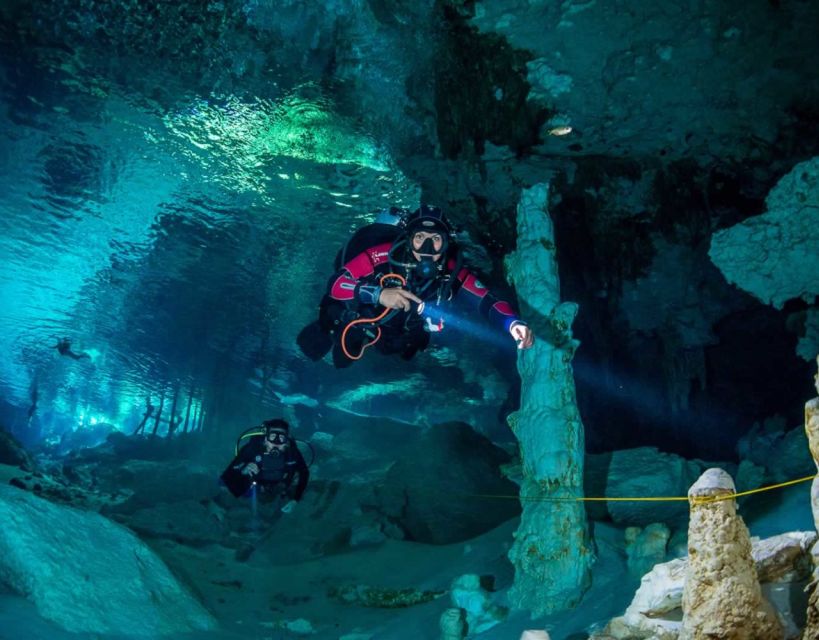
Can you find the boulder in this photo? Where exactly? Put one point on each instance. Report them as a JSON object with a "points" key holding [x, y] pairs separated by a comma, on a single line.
{"points": [[782, 452], [646, 472], [13, 453], [154, 482], [646, 547], [482, 613], [453, 624], [88, 574], [656, 609], [651, 612], [437, 490], [192, 522], [773, 255], [784, 558]]}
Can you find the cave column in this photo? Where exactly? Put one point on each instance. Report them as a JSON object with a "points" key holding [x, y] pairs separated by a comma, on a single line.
{"points": [[812, 430], [551, 552]]}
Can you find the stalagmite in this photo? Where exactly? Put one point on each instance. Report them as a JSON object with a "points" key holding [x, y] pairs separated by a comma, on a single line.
{"points": [[812, 429], [453, 624], [551, 553], [722, 597]]}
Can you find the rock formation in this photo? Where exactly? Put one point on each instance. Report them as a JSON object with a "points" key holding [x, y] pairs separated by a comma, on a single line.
{"points": [[468, 594], [722, 597], [812, 429], [646, 547], [453, 624], [551, 553], [782, 564], [88, 574]]}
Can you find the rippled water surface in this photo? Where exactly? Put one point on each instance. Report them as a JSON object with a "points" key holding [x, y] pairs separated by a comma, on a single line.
{"points": [[167, 238]]}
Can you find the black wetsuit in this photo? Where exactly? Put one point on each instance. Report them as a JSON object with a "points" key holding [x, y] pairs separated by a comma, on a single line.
{"points": [[353, 292], [276, 470], [64, 348]]}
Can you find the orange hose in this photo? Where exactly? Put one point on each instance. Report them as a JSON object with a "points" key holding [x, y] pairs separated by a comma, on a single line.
{"points": [[368, 320]]}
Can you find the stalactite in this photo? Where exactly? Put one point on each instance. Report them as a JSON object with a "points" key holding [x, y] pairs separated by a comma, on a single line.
{"points": [[188, 409], [159, 412], [196, 414], [172, 421]]}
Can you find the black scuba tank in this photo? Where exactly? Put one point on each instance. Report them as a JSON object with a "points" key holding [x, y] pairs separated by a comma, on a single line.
{"points": [[386, 228]]}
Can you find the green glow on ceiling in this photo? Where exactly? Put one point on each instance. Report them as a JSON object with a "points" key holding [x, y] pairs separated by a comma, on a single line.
{"points": [[239, 142]]}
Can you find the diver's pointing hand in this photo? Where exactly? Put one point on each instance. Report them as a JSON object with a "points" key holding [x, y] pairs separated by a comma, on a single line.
{"points": [[395, 298], [522, 334]]}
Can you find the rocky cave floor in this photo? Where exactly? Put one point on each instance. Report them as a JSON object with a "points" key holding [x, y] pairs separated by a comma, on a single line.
{"points": [[342, 565]]}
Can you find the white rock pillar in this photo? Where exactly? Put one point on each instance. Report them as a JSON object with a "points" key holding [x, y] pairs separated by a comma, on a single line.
{"points": [[812, 429], [722, 597], [551, 554]]}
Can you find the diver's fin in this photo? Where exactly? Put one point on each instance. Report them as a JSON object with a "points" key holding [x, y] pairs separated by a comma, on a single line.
{"points": [[314, 342]]}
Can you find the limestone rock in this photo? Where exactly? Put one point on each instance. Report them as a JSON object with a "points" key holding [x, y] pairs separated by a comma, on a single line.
{"points": [[156, 483], [367, 535], [782, 452], [88, 574], [453, 624], [784, 558], [722, 597], [322, 441], [433, 487], [646, 547], [190, 522], [481, 613], [660, 592], [812, 622], [563, 33], [656, 609], [551, 553], [773, 255], [297, 627], [816, 377], [646, 472], [381, 597], [618, 629], [812, 431], [808, 345], [751, 476], [12, 452]]}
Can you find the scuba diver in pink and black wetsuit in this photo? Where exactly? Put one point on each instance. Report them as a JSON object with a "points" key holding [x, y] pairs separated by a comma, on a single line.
{"points": [[391, 289]]}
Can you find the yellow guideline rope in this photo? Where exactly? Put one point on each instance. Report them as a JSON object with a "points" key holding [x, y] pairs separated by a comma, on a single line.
{"points": [[730, 496], [704, 499]]}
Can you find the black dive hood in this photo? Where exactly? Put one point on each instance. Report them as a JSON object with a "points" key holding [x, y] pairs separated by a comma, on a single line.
{"points": [[430, 219]]}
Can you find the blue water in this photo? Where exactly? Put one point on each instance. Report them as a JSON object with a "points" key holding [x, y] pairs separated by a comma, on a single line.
{"points": [[168, 240]]}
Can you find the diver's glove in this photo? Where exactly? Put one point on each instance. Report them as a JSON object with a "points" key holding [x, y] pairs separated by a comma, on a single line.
{"points": [[288, 508], [251, 469], [368, 293]]}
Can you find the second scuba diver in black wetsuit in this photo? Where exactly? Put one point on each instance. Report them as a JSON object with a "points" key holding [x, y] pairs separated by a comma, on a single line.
{"points": [[269, 463], [390, 287]]}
